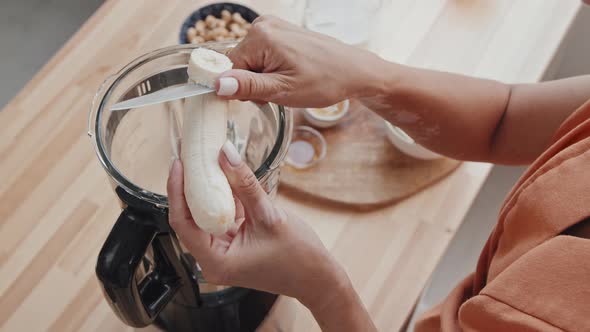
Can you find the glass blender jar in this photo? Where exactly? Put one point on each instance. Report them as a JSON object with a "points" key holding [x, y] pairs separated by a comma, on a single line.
{"points": [[146, 275]]}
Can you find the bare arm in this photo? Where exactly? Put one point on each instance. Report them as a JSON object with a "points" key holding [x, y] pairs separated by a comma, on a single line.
{"points": [[474, 119], [341, 309], [533, 115], [459, 116]]}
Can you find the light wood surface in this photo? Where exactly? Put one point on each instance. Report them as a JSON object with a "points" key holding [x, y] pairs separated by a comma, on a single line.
{"points": [[56, 205], [361, 167]]}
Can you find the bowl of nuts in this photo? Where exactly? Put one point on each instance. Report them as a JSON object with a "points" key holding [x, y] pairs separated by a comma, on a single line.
{"points": [[222, 21]]}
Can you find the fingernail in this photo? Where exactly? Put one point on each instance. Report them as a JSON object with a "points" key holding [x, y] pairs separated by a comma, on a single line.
{"points": [[228, 86], [231, 153]]}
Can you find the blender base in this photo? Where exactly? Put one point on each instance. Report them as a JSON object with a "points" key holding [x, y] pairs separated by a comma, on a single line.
{"points": [[238, 310]]}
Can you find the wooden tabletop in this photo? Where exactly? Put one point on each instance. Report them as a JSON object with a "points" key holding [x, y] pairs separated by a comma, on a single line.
{"points": [[57, 206]]}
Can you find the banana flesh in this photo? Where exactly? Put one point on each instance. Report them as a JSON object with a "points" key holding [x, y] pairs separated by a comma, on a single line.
{"points": [[206, 188]]}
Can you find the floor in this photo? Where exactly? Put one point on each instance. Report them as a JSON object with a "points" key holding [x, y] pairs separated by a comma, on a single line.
{"points": [[31, 31]]}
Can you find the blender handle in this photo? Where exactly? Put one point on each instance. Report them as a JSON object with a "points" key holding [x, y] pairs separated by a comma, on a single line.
{"points": [[137, 304]]}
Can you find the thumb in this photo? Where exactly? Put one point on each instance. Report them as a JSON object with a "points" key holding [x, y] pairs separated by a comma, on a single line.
{"points": [[247, 85], [244, 184]]}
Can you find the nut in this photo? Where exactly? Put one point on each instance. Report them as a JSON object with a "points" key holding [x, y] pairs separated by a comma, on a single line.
{"points": [[220, 32], [234, 27], [241, 33], [209, 36], [226, 16], [200, 25], [237, 17], [198, 40], [191, 33], [228, 27], [210, 20]]}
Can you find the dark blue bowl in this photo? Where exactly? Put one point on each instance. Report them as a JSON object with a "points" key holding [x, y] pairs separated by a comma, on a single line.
{"points": [[215, 10]]}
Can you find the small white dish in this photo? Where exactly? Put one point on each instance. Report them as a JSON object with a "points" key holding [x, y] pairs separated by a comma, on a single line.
{"points": [[407, 145], [308, 147], [327, 116]]}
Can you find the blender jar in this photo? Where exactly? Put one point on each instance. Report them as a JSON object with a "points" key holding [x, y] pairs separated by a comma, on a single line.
{"points": [[136, 147]]}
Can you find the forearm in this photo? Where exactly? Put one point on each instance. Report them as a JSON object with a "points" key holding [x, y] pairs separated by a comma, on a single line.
{"points": [[470, 118], [343, 313], [452, 114], [335, 304]]}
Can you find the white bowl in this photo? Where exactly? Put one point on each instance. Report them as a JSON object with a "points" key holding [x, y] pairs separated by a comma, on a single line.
{"points": [[325, 121], [407, 145]]}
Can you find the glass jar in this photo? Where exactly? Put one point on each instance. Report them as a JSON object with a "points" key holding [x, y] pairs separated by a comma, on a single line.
{"points": [[136, 147]]}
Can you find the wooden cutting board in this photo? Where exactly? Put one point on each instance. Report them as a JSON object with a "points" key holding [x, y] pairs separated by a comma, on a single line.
{"points": [[361, 167]]}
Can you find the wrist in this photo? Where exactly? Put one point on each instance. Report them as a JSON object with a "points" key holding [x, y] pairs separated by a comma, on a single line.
{"points": [[337, 307], [340, 296], [341, 309], [335, 292], [378, 78], [325, 286]]}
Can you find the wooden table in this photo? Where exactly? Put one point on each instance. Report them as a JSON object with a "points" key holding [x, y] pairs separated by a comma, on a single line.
{"points": [[57, 207]]}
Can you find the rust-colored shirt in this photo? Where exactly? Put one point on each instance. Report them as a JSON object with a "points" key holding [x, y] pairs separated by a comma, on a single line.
{"points": [[532, 273]]}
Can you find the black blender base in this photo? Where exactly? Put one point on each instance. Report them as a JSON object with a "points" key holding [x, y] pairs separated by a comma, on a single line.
{"points": [[242, 315]]}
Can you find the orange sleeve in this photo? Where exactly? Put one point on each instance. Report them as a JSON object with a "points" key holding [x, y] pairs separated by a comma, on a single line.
{"points": [[544, 290], [483, 313]]}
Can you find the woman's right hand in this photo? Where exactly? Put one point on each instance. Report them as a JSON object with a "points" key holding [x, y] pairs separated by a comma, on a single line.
{"points": [[281, 63]]}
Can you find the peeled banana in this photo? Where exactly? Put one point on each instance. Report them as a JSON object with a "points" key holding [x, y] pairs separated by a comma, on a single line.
{"points": [[206, 188], [205, 65]]}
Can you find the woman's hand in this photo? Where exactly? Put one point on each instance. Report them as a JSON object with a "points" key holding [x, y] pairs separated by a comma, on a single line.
{"points": [[282, 63], [268, 250]]}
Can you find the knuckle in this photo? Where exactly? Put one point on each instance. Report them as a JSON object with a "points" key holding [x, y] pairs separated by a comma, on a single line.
{"points": [[246, 89], [280, 90], [248, 184], [254, 87], [237, 55], [262, 29]]}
